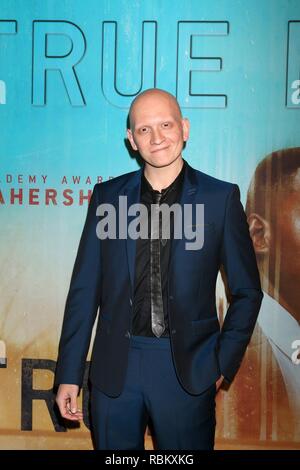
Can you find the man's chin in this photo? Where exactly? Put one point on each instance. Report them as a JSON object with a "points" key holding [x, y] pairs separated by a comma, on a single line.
{"points": [[161, 162]]}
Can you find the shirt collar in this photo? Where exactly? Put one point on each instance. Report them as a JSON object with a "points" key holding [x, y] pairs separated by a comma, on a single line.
{"points": [[278, 324], [175, 185]]}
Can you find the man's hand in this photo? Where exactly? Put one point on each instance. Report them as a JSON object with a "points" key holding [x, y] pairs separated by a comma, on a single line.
{"points": [[219, 382], [66, 400]]}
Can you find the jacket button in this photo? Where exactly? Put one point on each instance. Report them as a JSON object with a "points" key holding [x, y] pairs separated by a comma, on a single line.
{"points": [[127, 334], [130, 301], [173, 332], [171, 297]]}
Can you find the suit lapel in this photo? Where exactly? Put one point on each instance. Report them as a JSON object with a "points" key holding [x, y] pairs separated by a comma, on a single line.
{"points": [[132, 191], [188, 195]]}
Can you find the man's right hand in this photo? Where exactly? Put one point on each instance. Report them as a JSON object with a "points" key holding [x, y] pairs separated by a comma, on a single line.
{"points": [[66, 400]]}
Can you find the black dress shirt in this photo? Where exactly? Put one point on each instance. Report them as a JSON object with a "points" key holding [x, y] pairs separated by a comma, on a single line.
{"points": [[141, 320]]}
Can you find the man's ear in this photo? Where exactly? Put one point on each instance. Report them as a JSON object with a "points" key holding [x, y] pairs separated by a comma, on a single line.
{"points": [[260, 233], [131, 139], [185, 129]]}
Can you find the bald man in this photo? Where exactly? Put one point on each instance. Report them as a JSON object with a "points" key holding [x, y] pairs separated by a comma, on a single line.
{"points": [[273, 210], [159, 355]]}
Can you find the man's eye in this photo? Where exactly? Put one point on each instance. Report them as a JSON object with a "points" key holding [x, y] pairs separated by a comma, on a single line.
{"points": [[166, 124], [143, 130]]}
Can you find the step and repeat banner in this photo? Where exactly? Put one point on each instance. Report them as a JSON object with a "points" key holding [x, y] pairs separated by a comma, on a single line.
{"points": [[68, 72]]}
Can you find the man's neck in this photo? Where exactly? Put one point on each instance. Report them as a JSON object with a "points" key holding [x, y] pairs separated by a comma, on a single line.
{"points": [[161, 178]]}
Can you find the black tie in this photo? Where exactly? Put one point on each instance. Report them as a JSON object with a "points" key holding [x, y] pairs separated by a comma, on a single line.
{"points": [[157, 311]]}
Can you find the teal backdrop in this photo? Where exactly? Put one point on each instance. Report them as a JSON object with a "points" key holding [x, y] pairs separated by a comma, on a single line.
{"points": [[68, 72]]}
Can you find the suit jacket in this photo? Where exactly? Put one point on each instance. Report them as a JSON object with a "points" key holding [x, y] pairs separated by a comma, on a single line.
{"points": [[103, 277]]}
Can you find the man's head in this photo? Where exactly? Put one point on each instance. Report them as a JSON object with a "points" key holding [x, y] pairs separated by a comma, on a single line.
{"points": [[157, 129], [273, 210]]}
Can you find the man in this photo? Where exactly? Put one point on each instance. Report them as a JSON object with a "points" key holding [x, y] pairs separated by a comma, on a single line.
{"points": [[158, 352], [273, 209]]}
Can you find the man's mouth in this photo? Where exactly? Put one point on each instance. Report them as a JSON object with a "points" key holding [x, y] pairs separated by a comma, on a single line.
{"points": [[159, 150]]}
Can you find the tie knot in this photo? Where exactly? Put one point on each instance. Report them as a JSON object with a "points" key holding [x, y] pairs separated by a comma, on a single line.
{"points": [[157, 197]]}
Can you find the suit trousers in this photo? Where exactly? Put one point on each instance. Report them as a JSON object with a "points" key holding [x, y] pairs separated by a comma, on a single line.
{"points": [[180, 421]]}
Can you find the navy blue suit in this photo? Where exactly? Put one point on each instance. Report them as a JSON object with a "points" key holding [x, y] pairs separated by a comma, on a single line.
{"points": [[103, 277]]}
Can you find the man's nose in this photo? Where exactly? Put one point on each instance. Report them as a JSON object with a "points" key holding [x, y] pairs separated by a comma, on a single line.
{"points": [[156, 137]]}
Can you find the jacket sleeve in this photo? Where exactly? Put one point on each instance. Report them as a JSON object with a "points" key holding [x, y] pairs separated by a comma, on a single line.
{"points": [[239, 261], [82, 302]]}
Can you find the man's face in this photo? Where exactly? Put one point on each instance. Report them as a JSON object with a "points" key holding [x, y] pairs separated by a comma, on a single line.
{"points": [[277, 245], [157, 129], [289, 230], [276, 240]]}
